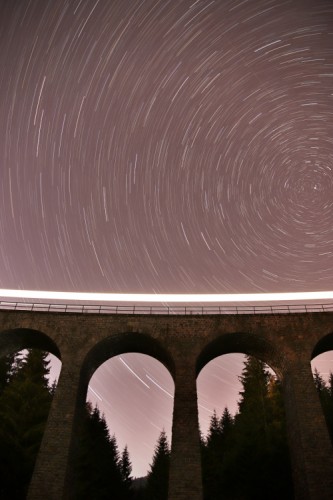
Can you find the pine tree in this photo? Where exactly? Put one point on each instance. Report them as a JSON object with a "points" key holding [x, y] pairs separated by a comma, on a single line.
{"points": [[213, 454], [6, 363], [126, 466], [24, 407], [252, 405], [9, 366], [330, 385], [325, 391], [158, 476], [214, 431], [126, 471], [319, 381], [98, 467], [226, 424], [246, 456], [258, 465], [329, 411]]}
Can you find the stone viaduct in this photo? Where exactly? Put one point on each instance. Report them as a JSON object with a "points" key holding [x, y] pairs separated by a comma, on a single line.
{"points": [[184, 344]]}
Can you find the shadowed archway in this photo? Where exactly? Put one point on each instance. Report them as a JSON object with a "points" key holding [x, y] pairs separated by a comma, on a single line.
{"points": [[242, 343], [17, 339]]}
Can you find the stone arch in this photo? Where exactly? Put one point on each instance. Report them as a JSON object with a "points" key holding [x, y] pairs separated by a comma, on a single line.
{"points": [[260, 348], [323, 345], [244, 343], [122, 343], [17, 339], [109, 348], [13, 341]]}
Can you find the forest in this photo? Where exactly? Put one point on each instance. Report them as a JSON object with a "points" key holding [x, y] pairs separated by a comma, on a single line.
{"points": [[244, 456]]}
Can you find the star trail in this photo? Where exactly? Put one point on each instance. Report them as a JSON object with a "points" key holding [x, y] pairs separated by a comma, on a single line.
{"points": [[165, 147]]}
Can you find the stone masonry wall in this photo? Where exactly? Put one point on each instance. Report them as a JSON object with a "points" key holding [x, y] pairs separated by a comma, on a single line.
{"points": [[184, 344]]}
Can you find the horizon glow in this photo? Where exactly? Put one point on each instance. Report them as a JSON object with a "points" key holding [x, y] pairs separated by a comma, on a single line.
{"points": [[165, 297]]}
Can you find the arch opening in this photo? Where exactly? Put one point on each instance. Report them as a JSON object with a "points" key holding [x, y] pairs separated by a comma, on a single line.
{"points": [[18, 339], [218, 387], [26, 392], [129, 389], [322, 370], [125, 342], [323, 345], [244, 449], [135, 392], [243, 343]]}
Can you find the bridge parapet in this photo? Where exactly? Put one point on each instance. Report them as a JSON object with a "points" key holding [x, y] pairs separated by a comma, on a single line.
{"points": [[167, 309]]}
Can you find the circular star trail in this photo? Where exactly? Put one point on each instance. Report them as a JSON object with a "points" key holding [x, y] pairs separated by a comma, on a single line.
{"points": [[166, 146]]}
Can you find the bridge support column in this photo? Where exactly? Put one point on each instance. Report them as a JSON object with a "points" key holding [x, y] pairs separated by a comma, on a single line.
{"points": [[50, 478], [310, 447], [185, 466]]}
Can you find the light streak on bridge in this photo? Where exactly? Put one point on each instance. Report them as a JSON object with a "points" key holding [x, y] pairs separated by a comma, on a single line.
{"points": [[166, 297]]}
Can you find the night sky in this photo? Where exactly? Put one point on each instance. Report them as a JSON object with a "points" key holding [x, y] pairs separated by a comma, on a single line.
{"points": [[165, 146]]}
